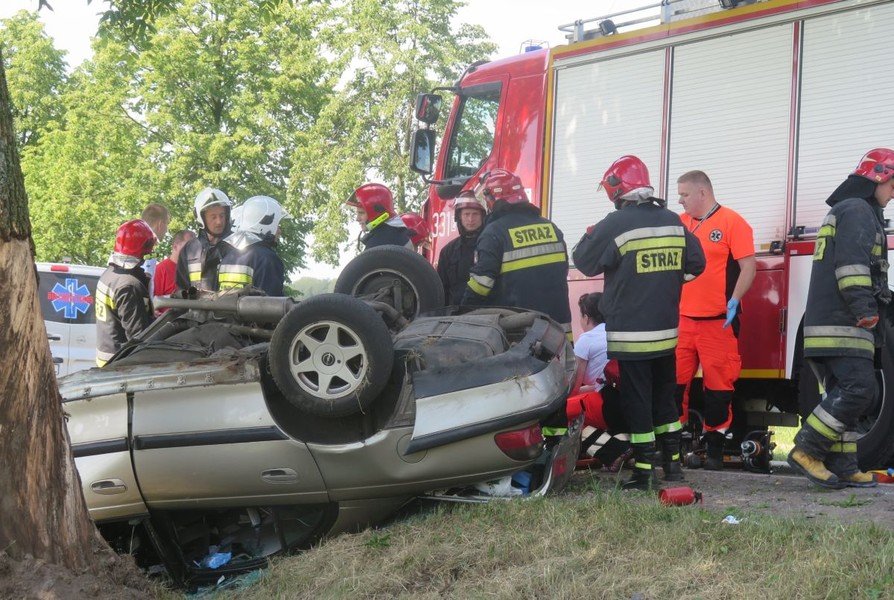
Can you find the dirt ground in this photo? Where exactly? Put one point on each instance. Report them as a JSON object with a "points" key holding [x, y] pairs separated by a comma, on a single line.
{"points": [[782, 493], [117, 579]]}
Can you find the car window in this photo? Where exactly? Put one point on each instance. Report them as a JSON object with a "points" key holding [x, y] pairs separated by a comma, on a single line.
{"points": [[473, 134], [67, 298]]}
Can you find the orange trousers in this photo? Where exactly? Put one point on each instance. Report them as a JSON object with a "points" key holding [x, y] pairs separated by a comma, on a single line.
{"points": [[716, 348]]}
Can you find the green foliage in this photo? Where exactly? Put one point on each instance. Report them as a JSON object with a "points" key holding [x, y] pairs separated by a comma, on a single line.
{"points": [[298, 100], [311, 286], [392, 50], [211, 96], [35, 74]]}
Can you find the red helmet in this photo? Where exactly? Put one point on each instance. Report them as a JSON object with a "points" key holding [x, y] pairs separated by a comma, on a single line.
{"points": [[877, 166], [500, 185], [468, 199], [418, 228], [376, 201], [135, 238], [625, 175]]}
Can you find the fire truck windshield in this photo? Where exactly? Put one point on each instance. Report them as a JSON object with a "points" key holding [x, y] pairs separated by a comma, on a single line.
{"points": [[473, 133]]}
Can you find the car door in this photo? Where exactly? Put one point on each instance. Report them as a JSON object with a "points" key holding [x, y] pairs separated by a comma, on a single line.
{"points": [[51, 288], [98, 428], [217, 446]]}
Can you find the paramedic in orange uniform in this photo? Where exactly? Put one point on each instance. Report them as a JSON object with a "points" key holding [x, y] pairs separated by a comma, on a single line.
{"points": [[710, 307]]}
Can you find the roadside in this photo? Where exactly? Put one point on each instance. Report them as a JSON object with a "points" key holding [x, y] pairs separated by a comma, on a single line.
{"points": [[754, 496], [594, 541]]}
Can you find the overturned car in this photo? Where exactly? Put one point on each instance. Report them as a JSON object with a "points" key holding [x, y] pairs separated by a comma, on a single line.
{"points": [[241, 426]]}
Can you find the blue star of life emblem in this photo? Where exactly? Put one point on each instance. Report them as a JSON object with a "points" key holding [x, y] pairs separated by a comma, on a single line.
{"points": [[70, 299]]}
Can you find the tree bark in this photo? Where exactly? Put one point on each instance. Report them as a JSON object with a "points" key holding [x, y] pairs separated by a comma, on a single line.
{"points": [[42, 508]]}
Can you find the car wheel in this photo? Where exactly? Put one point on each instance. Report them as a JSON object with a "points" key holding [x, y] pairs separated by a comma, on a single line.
{"points": [[331, 355], [875, 445], [395, 275]]}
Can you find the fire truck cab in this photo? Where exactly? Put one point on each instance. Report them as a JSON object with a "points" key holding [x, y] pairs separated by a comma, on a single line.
{"points": [[775, 100]]}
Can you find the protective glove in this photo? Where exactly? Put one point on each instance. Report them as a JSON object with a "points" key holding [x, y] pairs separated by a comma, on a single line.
{"points": [[868, 322], [732, 307]]}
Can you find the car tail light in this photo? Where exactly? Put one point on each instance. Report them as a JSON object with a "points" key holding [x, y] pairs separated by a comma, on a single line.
{"points": [[521, 444], [59, 268]]}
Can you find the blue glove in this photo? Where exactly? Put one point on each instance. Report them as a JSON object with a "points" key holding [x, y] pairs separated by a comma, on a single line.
{"points": [[732, 307]]}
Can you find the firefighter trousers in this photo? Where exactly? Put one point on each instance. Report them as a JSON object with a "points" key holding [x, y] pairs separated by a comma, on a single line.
{"points": [[707, 342], [850, 391], [647, 397]]}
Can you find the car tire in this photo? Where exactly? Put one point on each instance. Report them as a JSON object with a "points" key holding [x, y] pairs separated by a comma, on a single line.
{"points": [[875, 447], [331, 356], [377, 269]]}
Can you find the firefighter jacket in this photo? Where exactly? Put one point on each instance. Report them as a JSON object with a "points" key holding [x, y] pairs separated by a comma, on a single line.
{"points": [[521, 261], [645, 252], [257, 265], [849, 281], [198, 262], [454, 264], [122, 306], [392, 232]]}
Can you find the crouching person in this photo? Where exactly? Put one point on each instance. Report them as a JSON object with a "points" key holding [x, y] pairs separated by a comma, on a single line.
{"points": [[842, 333], [605, 435]]}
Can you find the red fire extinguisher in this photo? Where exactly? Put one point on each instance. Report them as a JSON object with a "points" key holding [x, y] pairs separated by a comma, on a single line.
{"points": [[679, 496]]}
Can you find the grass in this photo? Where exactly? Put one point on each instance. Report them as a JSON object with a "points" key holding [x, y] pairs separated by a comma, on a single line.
{"points": [[784, 438], [597, 544], [852, 501]]}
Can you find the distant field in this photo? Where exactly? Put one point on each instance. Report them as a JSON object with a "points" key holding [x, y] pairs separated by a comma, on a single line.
{"points": [[593, 543]]}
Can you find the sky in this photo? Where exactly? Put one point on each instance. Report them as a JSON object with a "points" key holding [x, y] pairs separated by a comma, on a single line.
{"points": [[510, 23]]}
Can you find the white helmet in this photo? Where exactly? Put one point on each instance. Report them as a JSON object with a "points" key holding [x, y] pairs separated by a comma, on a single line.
{"points": [[209, 197], [257, 219]]}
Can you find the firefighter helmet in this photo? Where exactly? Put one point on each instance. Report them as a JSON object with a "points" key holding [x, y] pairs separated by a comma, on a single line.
{"points": [[626, 174], [418, 228], [375, 200], [877, 165], [256, 220], [135, 238], [468, 199], [500, 185], [207, 198]]}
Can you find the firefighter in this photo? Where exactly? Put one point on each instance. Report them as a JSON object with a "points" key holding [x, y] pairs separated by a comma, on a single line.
{"points": [[646, 254], [457, 256], [252, 259], [710, 307], [199, 259], [417, 227], [122, 304], [521, 258], [375, 212], [843, 335]]}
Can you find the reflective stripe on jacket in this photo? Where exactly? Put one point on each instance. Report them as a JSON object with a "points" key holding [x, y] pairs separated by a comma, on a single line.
{"points": [[198, 262], [644, 251], [122, 308], [258, 266], [521, 261], [849, 281]]}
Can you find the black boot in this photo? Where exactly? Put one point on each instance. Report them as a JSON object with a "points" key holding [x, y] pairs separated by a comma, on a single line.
{"points": [[643, 477], [714, 451], [670, 456]]}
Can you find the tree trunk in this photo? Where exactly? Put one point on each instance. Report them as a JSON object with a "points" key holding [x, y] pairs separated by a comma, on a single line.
{"points": [[42, 508]]}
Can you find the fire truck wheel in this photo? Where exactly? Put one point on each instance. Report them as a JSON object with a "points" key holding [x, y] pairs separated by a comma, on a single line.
{"points": [[875, 447], [398, 276]]}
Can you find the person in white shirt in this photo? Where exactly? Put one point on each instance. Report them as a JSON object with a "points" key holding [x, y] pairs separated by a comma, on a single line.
{"points": [[604, 436]]}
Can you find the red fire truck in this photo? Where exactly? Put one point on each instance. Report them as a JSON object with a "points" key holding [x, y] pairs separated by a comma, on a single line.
{"points": [[776, 100]]}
